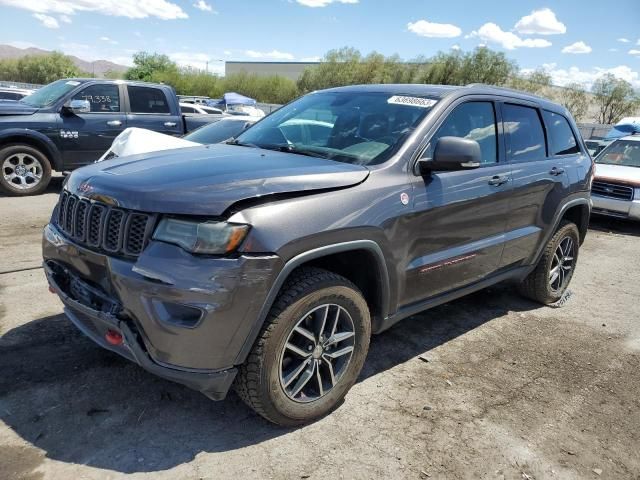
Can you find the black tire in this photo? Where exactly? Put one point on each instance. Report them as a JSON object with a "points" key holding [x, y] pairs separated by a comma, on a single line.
{"points": [[538, 286], [259, 382], [35, 162]]}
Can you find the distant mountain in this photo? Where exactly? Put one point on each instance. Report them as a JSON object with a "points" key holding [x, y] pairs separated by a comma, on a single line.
{"points": [[99, 67]]}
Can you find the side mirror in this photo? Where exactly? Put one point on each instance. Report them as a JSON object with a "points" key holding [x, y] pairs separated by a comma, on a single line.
{"points": [[450, 154], [78, 106]]}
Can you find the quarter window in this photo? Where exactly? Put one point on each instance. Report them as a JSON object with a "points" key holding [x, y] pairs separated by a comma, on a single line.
{"points": [[562, 141], [103, 98], [524, 133], [147, 100], [474, 121]]}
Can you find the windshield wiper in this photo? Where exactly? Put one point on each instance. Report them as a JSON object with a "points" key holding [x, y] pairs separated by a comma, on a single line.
{"points": [[235, 141], [285, 147]]}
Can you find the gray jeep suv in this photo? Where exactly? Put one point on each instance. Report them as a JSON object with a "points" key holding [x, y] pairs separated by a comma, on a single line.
{"points": [[266, 263]]}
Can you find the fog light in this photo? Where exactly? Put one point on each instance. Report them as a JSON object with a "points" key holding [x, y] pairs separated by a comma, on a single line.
{"points": [[113, 337]]}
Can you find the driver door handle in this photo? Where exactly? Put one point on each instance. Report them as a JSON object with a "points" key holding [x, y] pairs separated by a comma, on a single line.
{"points": [[114, 123], [498, 180], [555, 171], [170, 124]]}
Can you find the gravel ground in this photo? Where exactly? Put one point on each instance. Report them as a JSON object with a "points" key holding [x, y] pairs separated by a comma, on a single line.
{"points": [[490, 386]]}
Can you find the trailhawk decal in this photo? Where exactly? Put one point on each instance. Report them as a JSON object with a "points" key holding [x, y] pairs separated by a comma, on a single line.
{"points": [[412, 101]]}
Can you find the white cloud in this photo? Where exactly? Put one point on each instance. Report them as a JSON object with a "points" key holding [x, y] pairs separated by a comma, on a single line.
{"points": [[227, 53], [311, 59], [65, 18], [613, 49], [578, 47], [455, 47], [624, 40], [198, 61], [273, 54], [634, 51], [204, 6], [47, 21], [425, 28], [540, 22], [492, 33], [109, 40], [322, 3], [562, 76], [162, 9]]}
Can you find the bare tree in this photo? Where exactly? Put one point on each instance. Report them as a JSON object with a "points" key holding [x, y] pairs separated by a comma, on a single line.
{"points": [[615, 98]]}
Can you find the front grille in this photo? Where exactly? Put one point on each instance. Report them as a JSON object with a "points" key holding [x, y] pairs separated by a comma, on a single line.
{"points": [[104, 228], [612, 190]]}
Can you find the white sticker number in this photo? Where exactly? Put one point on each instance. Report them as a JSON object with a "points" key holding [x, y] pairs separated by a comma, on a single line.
{"points": [[412, 101]]}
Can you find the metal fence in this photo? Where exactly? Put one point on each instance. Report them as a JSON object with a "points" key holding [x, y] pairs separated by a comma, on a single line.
{"points": [[595, 131], [26, 86]]}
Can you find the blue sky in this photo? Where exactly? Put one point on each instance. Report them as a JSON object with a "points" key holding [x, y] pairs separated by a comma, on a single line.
{"points": [[573, 40]]}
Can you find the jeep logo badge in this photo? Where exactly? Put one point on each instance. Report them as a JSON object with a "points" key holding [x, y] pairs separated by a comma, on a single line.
{"points": [[84, 187]]}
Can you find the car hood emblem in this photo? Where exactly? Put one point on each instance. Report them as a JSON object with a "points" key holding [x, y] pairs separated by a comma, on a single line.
{"points": [[85, 187]]}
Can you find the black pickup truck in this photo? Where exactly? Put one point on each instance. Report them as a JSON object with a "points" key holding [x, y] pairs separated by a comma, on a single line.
{"points": [[72, 122]]}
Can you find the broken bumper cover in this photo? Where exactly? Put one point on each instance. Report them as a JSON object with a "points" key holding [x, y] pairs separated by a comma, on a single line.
{"points": [[103, 294]]}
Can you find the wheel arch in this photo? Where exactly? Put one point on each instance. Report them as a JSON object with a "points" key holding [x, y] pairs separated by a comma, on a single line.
{"points": [[337, 258], [33, 139]]}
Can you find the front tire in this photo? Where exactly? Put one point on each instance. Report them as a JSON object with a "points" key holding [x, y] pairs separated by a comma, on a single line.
{"points": [[551, 277], [311, 350], [24, 170]]}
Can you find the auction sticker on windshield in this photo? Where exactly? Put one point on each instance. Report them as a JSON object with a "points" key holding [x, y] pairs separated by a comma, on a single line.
{"points": [[412, 101]]}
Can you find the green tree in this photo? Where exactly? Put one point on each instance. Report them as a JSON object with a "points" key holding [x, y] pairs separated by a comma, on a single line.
{"points": [[614, 97], [536, 82], [38, 68], [147, 65], [575, 99]]}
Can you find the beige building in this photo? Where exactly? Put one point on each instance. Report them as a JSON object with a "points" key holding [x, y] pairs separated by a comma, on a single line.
{"points": [[291, 70]]}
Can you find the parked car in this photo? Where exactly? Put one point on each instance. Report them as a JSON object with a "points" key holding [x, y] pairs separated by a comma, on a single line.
{"points": [[616, 187], [267, 264], [134, 141], [71, 123], [14, 93], [596, 146], [187, 108]]}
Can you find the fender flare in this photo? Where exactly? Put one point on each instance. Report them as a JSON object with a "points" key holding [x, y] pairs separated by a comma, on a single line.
{"points": [[303, 258], [13, 135], [583, 200]]}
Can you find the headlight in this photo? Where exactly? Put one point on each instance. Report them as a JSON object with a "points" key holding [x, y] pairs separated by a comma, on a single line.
{"points": [[213, 238]]}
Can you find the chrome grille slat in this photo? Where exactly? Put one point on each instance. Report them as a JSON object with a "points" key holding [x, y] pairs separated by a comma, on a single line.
{"points": [[101, 227], [612, 190]]}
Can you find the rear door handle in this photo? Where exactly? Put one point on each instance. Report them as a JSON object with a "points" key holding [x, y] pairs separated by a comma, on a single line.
{"points": [[114, 123], [498, 180], [170, 124], [556, 171]]}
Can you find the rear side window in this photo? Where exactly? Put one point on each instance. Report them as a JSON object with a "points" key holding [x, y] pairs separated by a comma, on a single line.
{"points": [[474, 121], [187, 109], [562, 141], [524, 133], [147, 100], [103, 98]]}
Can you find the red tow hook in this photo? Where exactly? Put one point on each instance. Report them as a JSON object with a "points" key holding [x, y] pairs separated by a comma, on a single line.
{"points": [[113, 337]]}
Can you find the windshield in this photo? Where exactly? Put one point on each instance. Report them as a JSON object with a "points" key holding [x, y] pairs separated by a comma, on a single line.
{"points": [[45, 96], [217, 132], [621, 152], [363, 128]]}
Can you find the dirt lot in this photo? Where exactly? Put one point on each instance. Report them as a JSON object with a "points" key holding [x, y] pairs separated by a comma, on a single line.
{"points": [[491, 386]]}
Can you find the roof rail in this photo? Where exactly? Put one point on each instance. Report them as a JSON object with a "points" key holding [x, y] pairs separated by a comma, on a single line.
{"points": [[505, 89]]}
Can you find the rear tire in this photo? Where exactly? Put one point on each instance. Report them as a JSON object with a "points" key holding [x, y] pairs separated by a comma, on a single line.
{"points": [[551, 277], [24, 170], [295, 373]]}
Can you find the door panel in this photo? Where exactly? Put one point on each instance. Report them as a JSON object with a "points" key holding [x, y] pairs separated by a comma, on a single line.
{"points": [[84, 137], [150, 109], [459, 218]]}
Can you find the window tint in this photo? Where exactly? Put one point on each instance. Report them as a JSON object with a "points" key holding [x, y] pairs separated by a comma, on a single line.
{"points": [[472, 120], [103, 98], [10, 96], [525, 136], [147, 100], [562, 141], [184, 109]]}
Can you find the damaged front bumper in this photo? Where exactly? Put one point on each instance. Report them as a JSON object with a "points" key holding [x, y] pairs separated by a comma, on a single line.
{"points": [[181, 317]]}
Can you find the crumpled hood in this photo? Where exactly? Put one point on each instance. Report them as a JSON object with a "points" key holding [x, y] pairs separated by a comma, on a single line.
{"points": [[618, 173], [207, 180], [12, 107]]}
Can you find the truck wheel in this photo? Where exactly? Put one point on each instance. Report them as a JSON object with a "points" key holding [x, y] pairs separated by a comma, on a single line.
{"points": [[25, 170], [311, 350], [551, 277]]}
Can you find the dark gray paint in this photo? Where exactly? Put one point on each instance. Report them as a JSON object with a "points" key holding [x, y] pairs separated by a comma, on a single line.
{"points": [[304, 209]]}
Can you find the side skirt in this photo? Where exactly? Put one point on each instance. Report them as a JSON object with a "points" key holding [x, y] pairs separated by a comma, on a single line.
{"points": [[409, 310]]}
